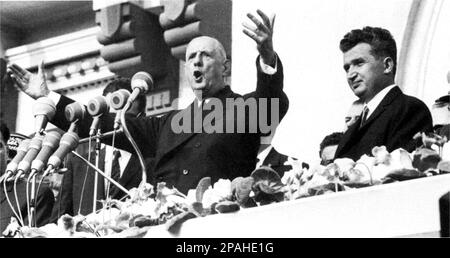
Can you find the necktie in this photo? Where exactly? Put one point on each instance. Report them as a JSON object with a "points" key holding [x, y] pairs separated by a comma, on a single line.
{"points": [[115, 171], [364, 114]]}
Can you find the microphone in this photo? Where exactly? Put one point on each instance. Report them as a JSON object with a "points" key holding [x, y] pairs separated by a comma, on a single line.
{"points": [[74, 112], [49, 145], [11, 168], [33, 150], [69, 142], [96, 108], [43, 110], [118, 100], [140, 83]]}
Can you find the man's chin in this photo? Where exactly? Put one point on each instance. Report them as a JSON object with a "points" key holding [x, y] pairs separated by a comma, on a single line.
{"points": [[198, 87], [358, 93]]}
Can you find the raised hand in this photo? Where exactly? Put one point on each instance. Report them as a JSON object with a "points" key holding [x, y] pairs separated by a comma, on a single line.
{"points": [[34, 85], [262, 35]]}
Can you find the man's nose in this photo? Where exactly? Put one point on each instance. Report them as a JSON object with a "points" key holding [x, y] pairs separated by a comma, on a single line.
{"points": [[197, 60], [351, 75]]}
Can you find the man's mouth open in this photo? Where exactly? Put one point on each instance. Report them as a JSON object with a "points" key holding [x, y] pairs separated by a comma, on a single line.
{"points": [[198, 76]]}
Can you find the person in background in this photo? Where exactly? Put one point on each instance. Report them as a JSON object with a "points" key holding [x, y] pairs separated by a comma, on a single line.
{"points": [[44, 199], [77, 187], [328, 148], [4, 153], [353, 113], [389, 118], [441, 116], [269, 156]]}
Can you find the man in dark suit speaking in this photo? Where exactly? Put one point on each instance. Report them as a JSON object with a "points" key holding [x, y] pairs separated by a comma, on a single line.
{"points": [[182, 158], [389, 117]]}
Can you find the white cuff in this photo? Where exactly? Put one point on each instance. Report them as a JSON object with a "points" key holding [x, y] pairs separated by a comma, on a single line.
{"points": [[267, 69], [55, 97]]}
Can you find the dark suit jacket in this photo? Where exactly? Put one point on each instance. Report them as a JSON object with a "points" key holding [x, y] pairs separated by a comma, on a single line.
{"points": [[182, 159], [68, 201], [44, 204], [393, 124]]}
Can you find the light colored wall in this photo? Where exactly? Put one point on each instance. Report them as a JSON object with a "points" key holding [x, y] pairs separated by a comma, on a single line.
{"points": [[307, 35], [426, 60]]}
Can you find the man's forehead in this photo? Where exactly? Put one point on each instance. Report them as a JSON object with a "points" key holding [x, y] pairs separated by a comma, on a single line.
{"points": [[360, 50], [202, 44]]}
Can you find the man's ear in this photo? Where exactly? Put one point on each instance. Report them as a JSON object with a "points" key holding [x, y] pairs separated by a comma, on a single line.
{"points": [[227, 68], [388, 65]]}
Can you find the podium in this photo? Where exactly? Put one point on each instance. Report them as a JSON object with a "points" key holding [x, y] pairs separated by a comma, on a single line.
{"points": [[403, 209]]}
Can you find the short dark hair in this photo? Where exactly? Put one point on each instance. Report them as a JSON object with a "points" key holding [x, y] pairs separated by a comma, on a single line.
{"points": [[5, 131], [124, 83], [330, 140], [381, 41]]}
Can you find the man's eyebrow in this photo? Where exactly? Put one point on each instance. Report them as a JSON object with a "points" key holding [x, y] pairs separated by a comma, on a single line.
{"points": [[353, 61], [357, 60], [192, 54]]}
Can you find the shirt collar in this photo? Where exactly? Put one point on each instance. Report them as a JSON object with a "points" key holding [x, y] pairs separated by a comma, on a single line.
{"points": [[263, 155], [375, 101]]}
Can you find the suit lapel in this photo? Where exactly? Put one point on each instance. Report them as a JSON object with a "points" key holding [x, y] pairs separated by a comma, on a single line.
{"points": [[348, 137], [351, 135], [391, 96]]}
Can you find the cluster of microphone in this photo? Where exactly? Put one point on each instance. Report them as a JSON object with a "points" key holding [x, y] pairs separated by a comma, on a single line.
{"points": [[46, 151]]}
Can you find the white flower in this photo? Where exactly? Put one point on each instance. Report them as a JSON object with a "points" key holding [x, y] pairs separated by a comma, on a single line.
{"points": [[400, 159], [381, 155], [223, 188], [103, 217], [146, 208], [210, 197], [191, 196], [219, 192], [380, 171], [363, 170], [317, 180], [344, 164]]}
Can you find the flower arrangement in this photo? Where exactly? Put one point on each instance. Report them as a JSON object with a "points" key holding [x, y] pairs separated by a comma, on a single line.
{"points": [[148, 207]]}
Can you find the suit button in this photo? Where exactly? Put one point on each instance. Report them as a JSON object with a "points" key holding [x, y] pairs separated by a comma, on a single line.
{"points": [[185, 172], [197, 145]]}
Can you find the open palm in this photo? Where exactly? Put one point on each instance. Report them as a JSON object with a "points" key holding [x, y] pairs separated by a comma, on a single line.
{"points": [[34, 85]]}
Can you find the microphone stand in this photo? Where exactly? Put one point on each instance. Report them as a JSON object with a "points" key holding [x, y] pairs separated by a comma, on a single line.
{"points": [[133, 143], [101, 173], [32, 208], [101, 136], [97, 163]]}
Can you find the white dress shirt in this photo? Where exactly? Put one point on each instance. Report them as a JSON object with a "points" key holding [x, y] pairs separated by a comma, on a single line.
{"points": [[263, 155]]}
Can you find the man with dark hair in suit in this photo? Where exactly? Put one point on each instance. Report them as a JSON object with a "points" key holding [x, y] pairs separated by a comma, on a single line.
{"points": [[44, 200], [389, 117], [183, 158], [77, 190]]}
